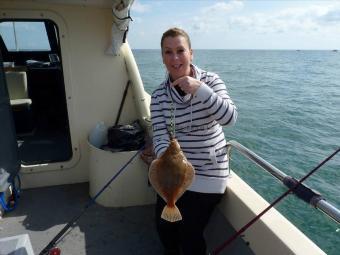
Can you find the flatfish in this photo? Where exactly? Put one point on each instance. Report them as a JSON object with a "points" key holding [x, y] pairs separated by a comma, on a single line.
{"points": [[170, 175]]}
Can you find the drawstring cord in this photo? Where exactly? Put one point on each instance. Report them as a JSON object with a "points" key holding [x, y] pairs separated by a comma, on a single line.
{"points": [[172, 120], [172, 129], [191, 114]]}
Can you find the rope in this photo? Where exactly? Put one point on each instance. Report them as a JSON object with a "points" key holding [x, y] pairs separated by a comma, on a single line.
{"points": [[124, 18], [172, 130], [122, 102], [47, 249], [245, 227]]}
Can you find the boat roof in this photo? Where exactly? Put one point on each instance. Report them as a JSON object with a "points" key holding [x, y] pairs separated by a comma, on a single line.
{"points": [[98, 3]]}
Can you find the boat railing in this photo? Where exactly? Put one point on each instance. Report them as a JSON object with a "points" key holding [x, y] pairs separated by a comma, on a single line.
{"points": [[299, 189]]}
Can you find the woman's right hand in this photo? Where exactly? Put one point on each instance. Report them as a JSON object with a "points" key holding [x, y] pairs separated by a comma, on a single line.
{"points": [[148, 154]]}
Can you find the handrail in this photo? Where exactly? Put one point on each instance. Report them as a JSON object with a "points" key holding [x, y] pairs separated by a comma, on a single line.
{"points": [[302, 192]]}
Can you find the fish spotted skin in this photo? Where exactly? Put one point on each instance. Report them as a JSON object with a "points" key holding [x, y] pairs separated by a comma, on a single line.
{"points": [[170, 175]]}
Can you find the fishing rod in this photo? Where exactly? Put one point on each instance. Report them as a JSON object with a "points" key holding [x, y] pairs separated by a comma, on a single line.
{"points": [[303, 192], [48, 250], [293, 187]]}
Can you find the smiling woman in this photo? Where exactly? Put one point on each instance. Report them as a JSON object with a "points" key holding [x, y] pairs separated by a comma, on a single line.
{"points": [[177, 57], [191, 105], [176, 53]]}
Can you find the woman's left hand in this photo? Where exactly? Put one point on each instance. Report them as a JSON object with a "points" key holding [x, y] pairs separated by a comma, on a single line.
{"points": [[188, 84]]}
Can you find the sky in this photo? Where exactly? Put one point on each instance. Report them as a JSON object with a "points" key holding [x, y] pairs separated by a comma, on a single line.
{"points": [[251, 24]]}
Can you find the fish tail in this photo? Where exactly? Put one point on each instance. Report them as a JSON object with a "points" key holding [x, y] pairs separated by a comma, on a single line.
{"points": [[171, 213]]}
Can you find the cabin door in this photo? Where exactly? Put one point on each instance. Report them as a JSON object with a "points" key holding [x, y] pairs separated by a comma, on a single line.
{"points": [[9, 159], [33, 68]]}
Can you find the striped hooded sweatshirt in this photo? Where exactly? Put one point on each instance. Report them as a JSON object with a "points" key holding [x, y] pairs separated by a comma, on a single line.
{"points": [[198, 121]]}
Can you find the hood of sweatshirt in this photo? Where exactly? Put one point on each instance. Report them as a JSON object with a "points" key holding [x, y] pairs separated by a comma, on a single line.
{"points": [[174, 94]]}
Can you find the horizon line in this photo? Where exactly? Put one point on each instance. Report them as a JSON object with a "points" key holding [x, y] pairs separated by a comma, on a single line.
{"points": [[297, 49]]}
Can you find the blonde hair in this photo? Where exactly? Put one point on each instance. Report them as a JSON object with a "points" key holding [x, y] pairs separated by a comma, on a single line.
{"points": [[173, 32]]}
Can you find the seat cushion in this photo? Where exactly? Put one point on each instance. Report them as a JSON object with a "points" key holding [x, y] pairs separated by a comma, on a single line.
{"points": [[17, 85]]}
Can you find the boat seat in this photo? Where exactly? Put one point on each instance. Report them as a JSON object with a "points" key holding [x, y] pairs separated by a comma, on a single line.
{"points": [[17, 89], [20, 102]]}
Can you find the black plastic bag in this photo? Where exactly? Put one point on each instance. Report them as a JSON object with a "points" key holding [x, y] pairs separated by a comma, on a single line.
{"points": [[126, 137]]}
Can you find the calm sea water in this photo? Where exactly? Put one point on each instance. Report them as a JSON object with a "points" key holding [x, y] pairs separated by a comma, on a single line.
{"points": [[289, 114]]}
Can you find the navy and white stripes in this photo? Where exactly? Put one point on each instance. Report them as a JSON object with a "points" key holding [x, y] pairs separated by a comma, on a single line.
{"points": [[198, 121]]}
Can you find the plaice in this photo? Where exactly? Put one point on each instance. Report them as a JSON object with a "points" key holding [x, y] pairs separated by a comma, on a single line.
{"points": [[170, 175]]}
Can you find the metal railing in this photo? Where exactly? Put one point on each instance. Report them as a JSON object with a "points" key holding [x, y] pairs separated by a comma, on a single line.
{"points": [[300, 191]]}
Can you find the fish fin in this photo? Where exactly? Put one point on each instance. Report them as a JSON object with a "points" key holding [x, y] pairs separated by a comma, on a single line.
{"points": [[153, 177], [171, 214]]}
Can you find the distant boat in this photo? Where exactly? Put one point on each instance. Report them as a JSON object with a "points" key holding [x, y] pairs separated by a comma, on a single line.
{"points": [[335, 50]]}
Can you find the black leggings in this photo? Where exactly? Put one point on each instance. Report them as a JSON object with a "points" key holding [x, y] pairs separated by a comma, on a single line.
{"points": [[187, 235]]}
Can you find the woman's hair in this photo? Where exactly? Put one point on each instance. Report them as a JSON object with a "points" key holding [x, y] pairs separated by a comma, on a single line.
{"points": [[173, 32]]}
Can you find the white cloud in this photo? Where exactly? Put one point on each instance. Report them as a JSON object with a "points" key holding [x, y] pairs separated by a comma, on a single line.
{"points": [[309, 19], [139, 7], [243, 24], [223, 7], [7, 24], [213, 18], [332, 16], [222, 17]]}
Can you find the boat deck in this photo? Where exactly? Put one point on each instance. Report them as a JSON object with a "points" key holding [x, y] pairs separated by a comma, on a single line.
{"points": [[43, 212]]}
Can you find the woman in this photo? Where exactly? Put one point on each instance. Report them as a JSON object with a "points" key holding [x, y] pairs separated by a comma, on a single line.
{"points": [[193, 105]]}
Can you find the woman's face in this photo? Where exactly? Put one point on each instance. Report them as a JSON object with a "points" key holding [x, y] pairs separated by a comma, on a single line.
{"points": [[177, 56]]}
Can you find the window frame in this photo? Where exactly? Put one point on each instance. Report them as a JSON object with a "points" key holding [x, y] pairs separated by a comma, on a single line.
{"points": [[32, 21], [62, 47]]}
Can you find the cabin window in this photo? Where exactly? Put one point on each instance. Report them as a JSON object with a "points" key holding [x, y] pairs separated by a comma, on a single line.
{"points": [[32, 62], [16, 33]]}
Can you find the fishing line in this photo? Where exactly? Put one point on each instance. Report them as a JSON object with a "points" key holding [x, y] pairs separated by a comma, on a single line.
{"points": [[245, 227], [52, 244]]}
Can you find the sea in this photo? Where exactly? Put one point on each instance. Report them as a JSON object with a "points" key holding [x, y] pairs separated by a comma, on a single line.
{"points": [[289, 114]]}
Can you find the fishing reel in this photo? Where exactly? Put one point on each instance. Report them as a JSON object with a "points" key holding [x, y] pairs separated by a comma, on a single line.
{"points": [[54, 251]]}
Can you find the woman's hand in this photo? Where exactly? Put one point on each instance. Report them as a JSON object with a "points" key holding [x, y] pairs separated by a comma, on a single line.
{"points": [[188, 84], [148, 154]]}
